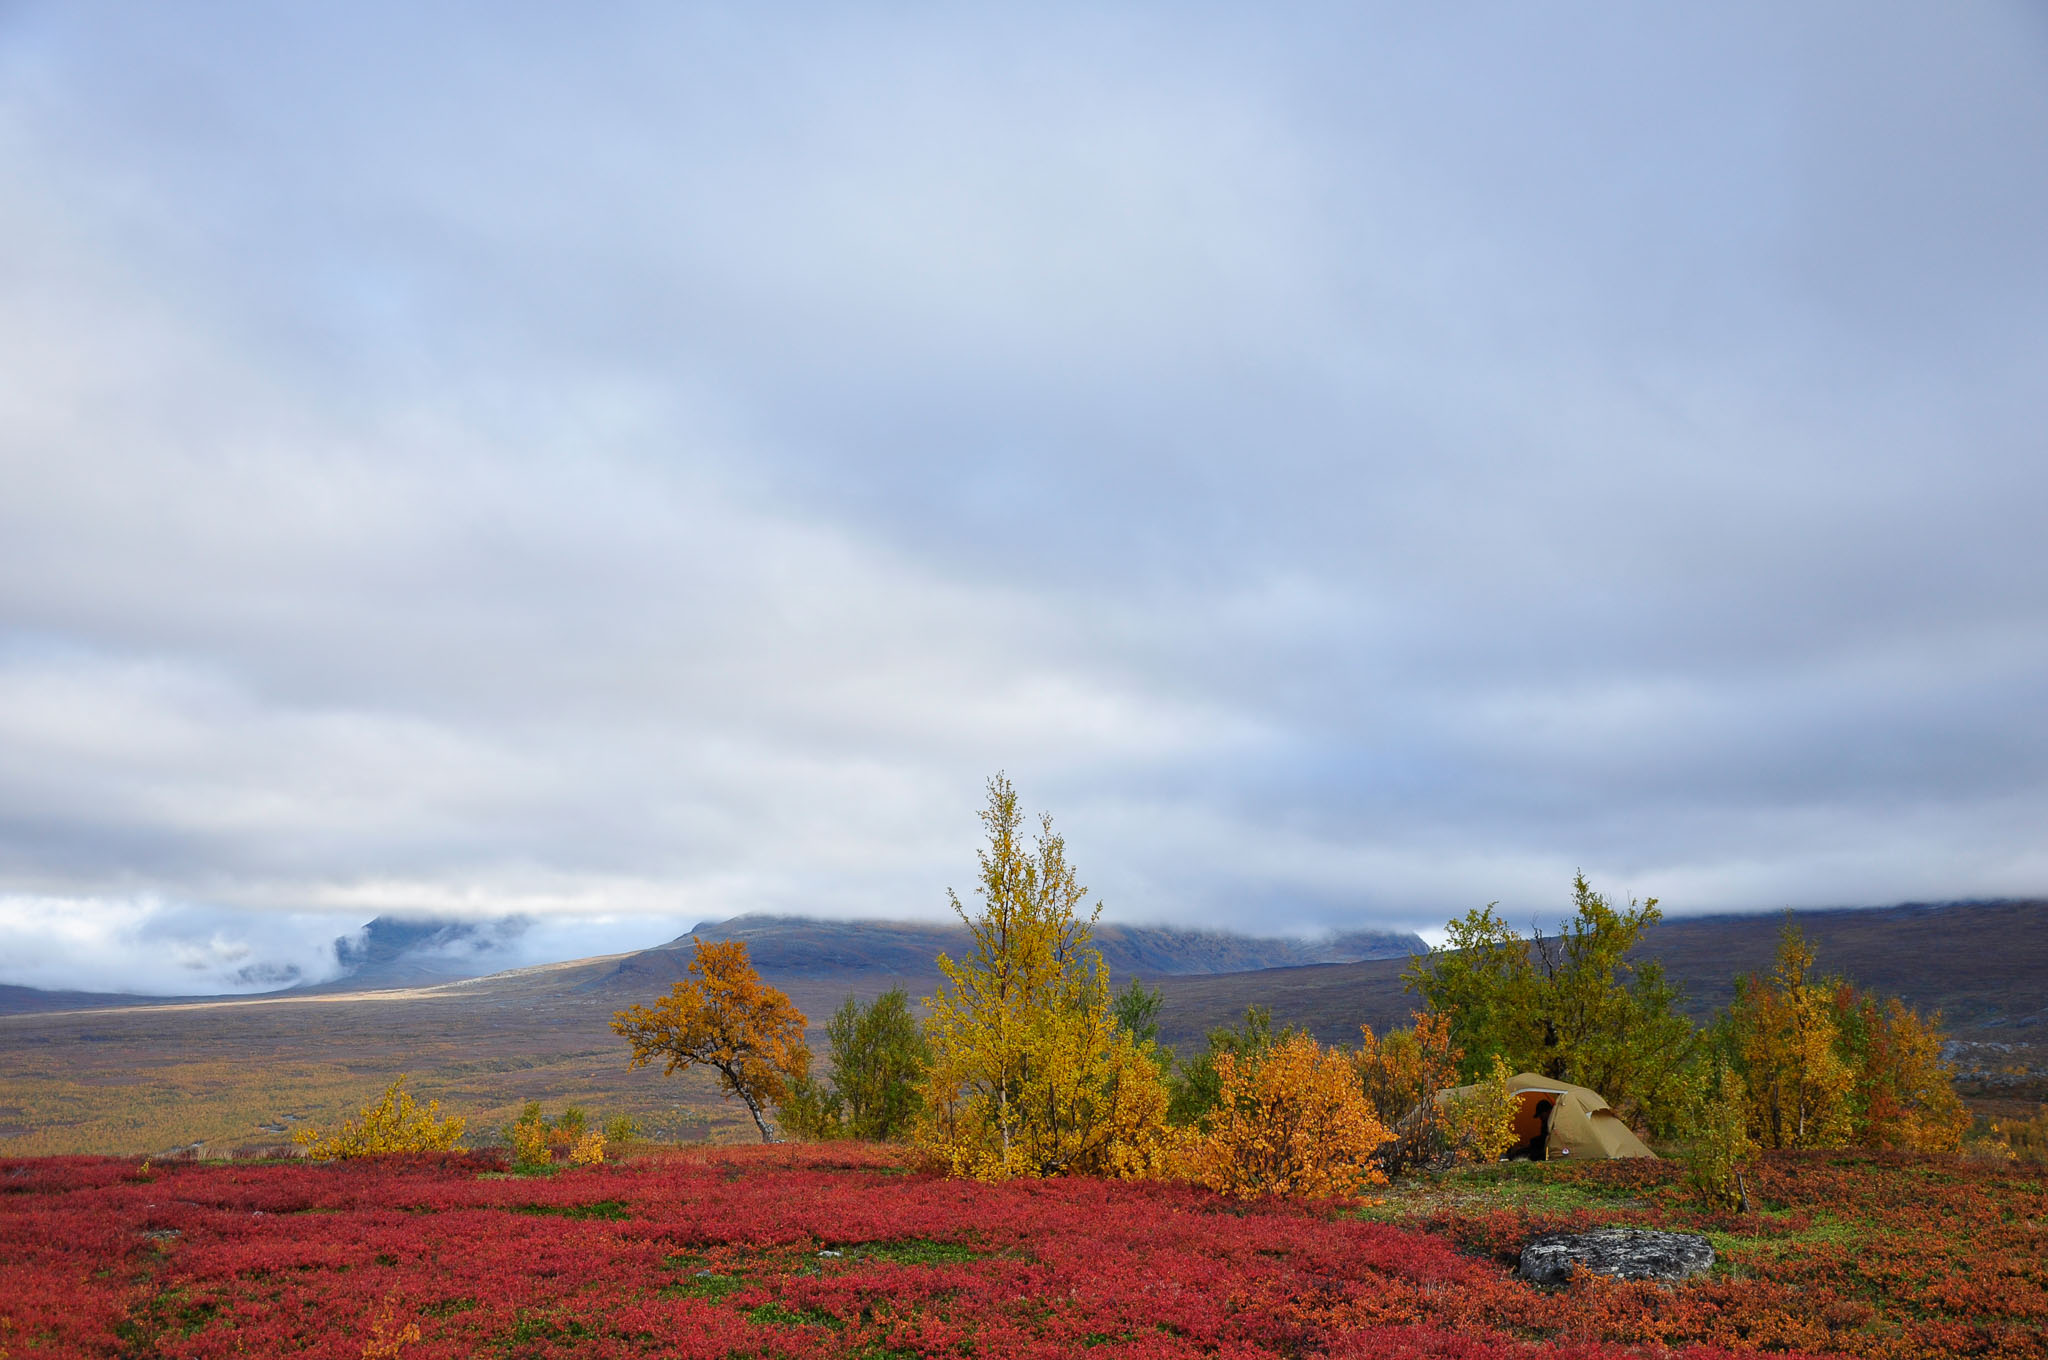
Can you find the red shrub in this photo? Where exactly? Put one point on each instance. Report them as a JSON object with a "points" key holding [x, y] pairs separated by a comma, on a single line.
{"points": [[712, 1253]]}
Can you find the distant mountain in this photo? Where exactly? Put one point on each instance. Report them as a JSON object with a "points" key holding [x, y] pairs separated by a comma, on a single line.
{"points": [[398, 951], [803, 947], [18, 1000]]}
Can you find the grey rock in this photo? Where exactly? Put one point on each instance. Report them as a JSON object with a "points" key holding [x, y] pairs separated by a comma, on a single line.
{"points": [[1622, 1253]]}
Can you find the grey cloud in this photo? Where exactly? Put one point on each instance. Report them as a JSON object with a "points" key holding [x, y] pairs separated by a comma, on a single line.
{"points": [[1349, 464]]}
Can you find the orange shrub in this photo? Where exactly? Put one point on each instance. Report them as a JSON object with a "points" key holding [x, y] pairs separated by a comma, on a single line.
{"points": [[1292, 1121], [388, 1336], [1403, 1072]]}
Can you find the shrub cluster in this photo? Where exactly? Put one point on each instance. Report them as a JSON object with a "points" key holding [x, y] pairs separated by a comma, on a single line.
{"points": [[538, 1141]]}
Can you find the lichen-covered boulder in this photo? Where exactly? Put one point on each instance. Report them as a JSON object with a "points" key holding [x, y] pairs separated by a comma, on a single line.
{"points": [[1623, 1253]]}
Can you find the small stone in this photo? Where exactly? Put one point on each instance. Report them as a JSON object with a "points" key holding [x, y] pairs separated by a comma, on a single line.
{"points": [[830, 1253], [1619, 1253]]}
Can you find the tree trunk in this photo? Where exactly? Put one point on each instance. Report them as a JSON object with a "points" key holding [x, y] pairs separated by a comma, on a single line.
{"points": [[755, 1110]]}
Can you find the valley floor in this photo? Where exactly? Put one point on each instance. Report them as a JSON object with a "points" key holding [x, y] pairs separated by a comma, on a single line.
{"points": [[847, 1250]]}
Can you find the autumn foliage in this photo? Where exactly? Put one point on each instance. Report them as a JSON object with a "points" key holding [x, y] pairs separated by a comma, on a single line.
{"points": [[722, 1252], [1721, 1145], [395, 1123], [727, 1019], [1479, 1124], [1292, 1121], [538, 1141], [1827, 1065], [1031, 1075], [1402, 1075], [1905, 1095]]}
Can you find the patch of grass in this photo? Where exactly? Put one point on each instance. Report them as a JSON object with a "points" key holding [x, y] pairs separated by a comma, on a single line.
{"points": [[610, 1209], [531, 1327], [914, 1251], [1538, 1187], [709, 1285], [775, 1315], [1825, 1232], [166, 1312], [448, 1307]]}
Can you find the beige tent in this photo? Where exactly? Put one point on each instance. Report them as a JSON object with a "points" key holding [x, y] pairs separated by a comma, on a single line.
{"points": [[1581, 1125]]}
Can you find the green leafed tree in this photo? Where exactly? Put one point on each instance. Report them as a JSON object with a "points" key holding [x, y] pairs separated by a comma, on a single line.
{"points": [[1136, 1011], [1573, 1006], [877, 1057], [1484, 980], [1717, 1139], [1199, 1084]]}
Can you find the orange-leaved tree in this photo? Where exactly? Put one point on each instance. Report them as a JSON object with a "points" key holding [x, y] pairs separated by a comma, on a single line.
{"points": [[1291, 1121], [1405, 1075], [728, 1020]]}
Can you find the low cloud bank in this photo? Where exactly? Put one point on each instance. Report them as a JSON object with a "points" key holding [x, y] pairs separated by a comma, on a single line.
{"points": [[150, 947]]}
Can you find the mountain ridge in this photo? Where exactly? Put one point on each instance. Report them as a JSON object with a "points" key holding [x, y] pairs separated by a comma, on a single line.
{"points": [[809, 945]]}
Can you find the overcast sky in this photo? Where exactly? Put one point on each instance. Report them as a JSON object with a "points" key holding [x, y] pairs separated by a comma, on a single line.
{"points": [[631, 465]]}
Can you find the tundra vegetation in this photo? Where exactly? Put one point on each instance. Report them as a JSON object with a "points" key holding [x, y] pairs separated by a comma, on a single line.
{"points": [[538, 1141], [836, 1250], [999, 1178]]}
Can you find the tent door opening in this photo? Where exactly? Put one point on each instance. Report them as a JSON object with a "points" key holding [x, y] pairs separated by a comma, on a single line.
{"points": [[1530, 1141]]}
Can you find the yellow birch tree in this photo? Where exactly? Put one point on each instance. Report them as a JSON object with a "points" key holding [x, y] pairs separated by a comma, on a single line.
{"points": [[1031, 1075], [1787, 1039]]}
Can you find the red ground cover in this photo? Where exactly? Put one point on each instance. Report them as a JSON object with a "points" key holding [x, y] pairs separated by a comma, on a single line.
{"points": [[730, 1252]]}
